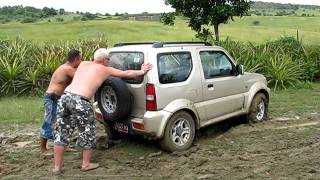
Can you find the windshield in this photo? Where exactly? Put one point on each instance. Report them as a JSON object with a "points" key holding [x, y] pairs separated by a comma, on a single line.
{"points": [[127, 61]]}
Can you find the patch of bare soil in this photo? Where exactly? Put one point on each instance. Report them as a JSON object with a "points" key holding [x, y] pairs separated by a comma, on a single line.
{"points": [[281, 148]]}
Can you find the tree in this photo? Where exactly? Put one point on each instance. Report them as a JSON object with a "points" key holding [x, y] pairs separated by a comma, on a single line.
{"points": [[88, 16], [206, 13], [49, 11], [62, 11], [167, 18]]}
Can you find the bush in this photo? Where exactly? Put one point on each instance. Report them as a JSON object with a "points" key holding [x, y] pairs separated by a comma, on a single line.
{"points": [[256, 23], [284, 62], [59, 19], [76, 18], [26, 67], [88, 16], [28, 20]]}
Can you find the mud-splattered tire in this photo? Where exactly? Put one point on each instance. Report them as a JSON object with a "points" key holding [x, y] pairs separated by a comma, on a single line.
{"points": [[179, 132], [114, 99], [258, 109]]}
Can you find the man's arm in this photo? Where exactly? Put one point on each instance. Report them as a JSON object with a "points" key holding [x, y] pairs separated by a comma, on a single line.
{"points": [[129, 73]]}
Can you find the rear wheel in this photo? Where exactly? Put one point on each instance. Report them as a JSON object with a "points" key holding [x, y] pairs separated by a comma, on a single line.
{"points": [[114, 99], [258, 109], [179, 133]]}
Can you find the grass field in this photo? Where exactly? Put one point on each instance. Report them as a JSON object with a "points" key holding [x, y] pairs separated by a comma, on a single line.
{"points": [[24, 110], [269, 28]]}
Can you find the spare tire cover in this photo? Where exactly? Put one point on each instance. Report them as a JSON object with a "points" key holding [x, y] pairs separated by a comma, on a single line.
{"points": [[114, 99]]}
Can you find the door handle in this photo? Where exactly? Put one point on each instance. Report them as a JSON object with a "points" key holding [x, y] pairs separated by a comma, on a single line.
{"points": [[210, 87]]}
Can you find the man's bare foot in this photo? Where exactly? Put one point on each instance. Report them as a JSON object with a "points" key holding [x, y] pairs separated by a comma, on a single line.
{"points": [[89, 167], [57, 171]]}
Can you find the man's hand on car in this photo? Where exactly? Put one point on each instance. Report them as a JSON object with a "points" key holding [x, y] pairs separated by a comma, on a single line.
{"points": [[146, 68]]}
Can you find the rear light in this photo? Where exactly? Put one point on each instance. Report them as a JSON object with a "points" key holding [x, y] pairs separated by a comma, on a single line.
{"points": [[151, 100], [138, 125], [99, 116]]}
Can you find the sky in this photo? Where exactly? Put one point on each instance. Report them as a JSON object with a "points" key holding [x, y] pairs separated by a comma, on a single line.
{"points": [[120, 6]]}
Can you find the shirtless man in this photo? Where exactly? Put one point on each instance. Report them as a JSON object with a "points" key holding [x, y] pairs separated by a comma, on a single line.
{"points": [[60, 79], [75, 110]]}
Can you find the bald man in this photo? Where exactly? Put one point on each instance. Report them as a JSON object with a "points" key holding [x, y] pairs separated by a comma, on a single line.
{"points": [[75, 110]]}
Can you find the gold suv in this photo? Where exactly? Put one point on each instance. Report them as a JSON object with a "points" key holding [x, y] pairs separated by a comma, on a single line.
{"points": [[191, 85]]}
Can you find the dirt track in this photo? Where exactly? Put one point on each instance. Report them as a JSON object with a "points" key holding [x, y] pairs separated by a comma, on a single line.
{"points": [[281, 148]]}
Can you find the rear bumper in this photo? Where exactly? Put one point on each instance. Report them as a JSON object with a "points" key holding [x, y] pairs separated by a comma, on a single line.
{"points": [[152, 124]]}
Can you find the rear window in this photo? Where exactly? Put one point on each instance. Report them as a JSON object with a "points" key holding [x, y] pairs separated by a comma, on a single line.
{"points": [[127, 61], [174, 67]]}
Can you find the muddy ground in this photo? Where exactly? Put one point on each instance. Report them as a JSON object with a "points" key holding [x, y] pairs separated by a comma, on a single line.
{"points": [[286, 147]]}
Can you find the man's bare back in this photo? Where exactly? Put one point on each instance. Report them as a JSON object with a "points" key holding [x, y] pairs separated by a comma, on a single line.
{"points": [[60, 79], [90, 75]]}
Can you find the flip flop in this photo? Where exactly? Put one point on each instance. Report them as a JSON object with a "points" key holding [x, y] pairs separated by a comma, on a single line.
{"points": [[91, 166]]}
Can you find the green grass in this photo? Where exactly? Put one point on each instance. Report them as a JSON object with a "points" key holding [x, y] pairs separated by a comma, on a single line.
{"points": [[18, 110], [270, 28], [26, 110], [113, 30], [296, 101]]}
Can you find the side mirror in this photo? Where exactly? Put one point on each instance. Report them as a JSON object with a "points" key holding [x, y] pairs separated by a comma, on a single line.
{"points": [[240, 69]]}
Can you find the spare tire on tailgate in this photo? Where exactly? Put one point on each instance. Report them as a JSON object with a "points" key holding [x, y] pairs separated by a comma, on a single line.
{"points": [[114, 99]]}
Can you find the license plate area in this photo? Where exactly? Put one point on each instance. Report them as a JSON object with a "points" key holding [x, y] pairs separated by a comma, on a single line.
{"points": [[121, 127]]}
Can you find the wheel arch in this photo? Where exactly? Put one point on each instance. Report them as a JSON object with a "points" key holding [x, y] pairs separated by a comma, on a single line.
{"points": [[182, 105], [255, 89]]}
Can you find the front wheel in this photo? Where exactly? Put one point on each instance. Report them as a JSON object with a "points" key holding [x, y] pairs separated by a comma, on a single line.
{"points": [[179, 133], [258, 109]]}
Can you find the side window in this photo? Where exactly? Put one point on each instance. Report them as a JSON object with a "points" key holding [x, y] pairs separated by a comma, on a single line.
{"points": [[174, 67], [215, 64]]}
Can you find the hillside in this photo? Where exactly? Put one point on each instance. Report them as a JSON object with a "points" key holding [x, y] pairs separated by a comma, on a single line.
{"points": [[277, 9], [30, 14]]}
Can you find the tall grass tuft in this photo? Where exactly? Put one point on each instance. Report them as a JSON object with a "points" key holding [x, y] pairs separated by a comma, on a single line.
{"points": [[284, 62], [26, 67]]}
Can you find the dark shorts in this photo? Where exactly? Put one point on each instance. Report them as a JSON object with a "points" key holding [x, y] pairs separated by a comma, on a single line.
{"points": [[75, 111], [50, 113]]}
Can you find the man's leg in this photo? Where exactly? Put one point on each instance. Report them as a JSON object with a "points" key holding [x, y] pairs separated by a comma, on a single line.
{"points": [[62, 133], [87, 131], [43, 145], [86, 156], [46, 129], [86, 164], [58, 157]]}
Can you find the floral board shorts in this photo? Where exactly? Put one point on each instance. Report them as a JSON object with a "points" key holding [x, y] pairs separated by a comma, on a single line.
{"points": [[75, 111]]}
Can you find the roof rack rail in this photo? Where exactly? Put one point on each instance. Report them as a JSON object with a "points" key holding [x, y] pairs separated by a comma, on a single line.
{"points": [[133, 43], [160, 44]]}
